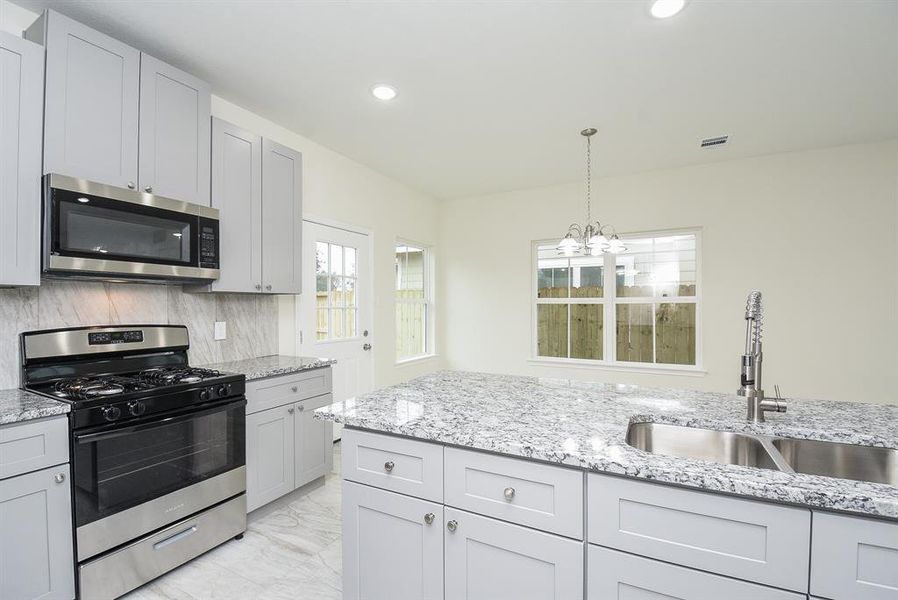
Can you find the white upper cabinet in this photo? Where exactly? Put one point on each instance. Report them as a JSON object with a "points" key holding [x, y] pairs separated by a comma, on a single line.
{"points": [[92, 87], [175, 110], [21, 91], [237, 193], [281, 219], [106, 104]]}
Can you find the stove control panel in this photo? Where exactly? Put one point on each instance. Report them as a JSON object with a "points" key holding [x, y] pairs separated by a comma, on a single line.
{"points": [[95, 338]]}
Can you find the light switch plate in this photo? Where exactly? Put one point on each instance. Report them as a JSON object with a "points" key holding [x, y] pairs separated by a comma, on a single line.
{"points": [[221, 330]]}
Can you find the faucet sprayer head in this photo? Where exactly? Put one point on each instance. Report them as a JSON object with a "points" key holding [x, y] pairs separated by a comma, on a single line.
{"points": [[753, 305]]}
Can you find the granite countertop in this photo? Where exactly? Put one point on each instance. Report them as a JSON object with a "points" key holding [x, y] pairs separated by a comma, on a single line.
{"points": [[584, 425], [19, 405], [269, 366]]}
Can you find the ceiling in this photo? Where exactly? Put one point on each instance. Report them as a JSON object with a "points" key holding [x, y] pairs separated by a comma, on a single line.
{"points": [[492, 95]]}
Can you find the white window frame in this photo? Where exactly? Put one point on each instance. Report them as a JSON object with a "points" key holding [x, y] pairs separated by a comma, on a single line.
{"points": [[609, 301], [429, 265]]}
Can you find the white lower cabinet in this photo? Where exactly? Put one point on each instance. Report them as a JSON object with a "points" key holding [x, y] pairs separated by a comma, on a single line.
{"points": [[36, 536], [614, 575], [270, 456], [313, 441], [392, 546], [488, 559]]}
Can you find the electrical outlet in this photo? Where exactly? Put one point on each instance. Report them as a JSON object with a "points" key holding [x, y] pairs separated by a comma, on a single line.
{"points": [[221, 330]]}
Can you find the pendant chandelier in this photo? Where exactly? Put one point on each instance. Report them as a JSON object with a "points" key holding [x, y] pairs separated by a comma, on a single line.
{"points": [[593, 238]]}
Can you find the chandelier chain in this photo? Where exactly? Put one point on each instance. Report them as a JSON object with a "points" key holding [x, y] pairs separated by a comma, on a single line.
{"points": [[588, 181]]}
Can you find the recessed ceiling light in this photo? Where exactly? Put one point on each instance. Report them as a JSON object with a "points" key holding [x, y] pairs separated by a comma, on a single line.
{"points": [[383, 92], [662, 9]]}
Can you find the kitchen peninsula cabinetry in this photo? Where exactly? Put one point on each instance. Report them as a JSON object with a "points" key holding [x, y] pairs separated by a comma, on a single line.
{"points": [[116, 116]]}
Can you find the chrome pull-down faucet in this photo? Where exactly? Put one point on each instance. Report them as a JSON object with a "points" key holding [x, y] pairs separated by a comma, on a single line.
{"points": [[751, 363]]}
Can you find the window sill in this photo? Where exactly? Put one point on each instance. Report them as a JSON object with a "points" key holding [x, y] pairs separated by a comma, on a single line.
{"points": [[415, 359], [683, 371]]}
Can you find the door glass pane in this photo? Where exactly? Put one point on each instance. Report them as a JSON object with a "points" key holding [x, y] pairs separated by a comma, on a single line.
{"points": [[675, 334], [349, 289], [336, 259], [321, 322], [352, 322], [551, 328], [586, 331], [336, 291], [349, 255], [634, 333], [336, 323], [321, 268], [88, 227]]}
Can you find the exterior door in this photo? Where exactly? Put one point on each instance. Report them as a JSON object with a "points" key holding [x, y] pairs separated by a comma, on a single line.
{"points": [[92, 98], [488, 559], [270, 455], [335, 319], [175, 109], [392, 546]]}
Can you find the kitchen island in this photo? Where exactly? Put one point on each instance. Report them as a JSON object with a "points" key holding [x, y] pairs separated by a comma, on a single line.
{"points": [[451, 444]]}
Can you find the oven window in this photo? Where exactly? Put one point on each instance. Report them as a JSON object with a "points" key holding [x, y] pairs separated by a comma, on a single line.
{"points": [[89, 228], [124, 467]]}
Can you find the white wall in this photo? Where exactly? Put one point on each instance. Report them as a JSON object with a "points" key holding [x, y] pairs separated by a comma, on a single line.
{"points": [[816, 231]]}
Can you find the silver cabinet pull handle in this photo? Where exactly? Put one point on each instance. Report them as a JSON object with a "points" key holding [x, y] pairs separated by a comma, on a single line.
{"points": [[148, 189], [429, 517], [388, 466], [130, 185], [59, 477], [452, 525], [175, 538], [294, 389], [509, 493], [290, 410]]}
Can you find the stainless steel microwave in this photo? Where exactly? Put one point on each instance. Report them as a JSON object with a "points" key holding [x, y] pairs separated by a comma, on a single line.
{"points": [[100, 231]]}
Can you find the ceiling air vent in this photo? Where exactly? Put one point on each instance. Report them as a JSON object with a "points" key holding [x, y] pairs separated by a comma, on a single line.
{"points": [[715, 141]]}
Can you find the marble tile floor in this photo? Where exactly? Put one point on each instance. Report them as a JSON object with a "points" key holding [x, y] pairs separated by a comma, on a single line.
{"points": [[291, 551]]}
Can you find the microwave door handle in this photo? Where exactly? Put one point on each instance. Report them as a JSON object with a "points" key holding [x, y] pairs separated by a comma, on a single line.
{"points": [[90, 438]]}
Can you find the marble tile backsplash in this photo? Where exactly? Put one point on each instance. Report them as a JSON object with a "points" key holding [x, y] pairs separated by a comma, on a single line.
{"points": [[252, 320]]}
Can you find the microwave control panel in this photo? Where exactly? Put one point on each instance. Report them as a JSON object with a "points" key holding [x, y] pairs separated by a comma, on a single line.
{"points": [[208, 244]]}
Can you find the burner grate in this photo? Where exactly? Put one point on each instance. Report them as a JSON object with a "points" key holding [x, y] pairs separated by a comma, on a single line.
{"points": [[175, 375]]}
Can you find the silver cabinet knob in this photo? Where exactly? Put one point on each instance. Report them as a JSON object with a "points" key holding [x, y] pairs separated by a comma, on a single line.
{"points": [[429, 517], [294, 389], [388, 466], [59, 477], [452, 525], [268, 287], [130, 185], [509, 493], [148, 189], [290, 410], [258, 286], [300, 407]]}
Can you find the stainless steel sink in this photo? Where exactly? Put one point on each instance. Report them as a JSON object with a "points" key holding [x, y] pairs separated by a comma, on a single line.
{"points": [[703, 444], [811, 457], [846, 461]]}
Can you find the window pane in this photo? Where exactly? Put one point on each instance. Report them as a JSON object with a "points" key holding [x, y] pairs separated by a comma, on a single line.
{"points": [[634, 333], [660, 266], [349, 256], [321, 324], [587, 274], [586, 331], [553, 273], [410, 328], [551, 329], [336, 259], [675, 334], [321, 267]]}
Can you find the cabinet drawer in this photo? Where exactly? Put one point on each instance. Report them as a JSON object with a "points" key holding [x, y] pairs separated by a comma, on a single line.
{"points": [[854, 558], [392, 463], [263, 394], [613, 575], [33, 445], [544, 497], [755, 541]]}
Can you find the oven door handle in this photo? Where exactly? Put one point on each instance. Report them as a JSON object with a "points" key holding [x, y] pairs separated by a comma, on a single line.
{"points": [[90, 438]]}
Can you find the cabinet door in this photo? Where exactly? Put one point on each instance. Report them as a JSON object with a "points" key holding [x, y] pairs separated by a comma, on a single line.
{"points": [[488, 559], [90, 122], [21, 95], [281, 219], [618, 576], [392, 546], [269, 455], [36, 536], [175, 114], [314, 441], [237, 193]]}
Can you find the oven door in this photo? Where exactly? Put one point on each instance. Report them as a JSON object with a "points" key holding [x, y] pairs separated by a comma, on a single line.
{"points": [[141, 237], [129, 481]]}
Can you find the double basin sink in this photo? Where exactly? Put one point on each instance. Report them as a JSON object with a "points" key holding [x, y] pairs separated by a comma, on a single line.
{"points": [[812, 457]]}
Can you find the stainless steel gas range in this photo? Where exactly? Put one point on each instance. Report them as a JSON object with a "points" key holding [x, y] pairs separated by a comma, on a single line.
{"points": [[157, 449]]}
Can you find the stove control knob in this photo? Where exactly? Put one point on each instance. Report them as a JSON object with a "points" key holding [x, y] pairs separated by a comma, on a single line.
{"points": [[205, 394], [224, 390], [137, 408], [111, 413]]}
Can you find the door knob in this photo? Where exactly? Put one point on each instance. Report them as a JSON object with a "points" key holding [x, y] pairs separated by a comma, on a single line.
{"points": [[366, 346], [429, 517], [148, 189], [452, 525]]}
